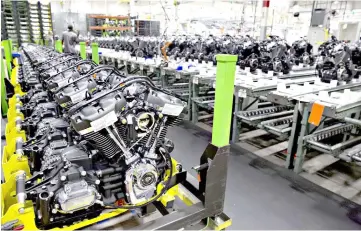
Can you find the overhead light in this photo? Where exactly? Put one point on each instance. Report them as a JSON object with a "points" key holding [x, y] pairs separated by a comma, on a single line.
{"points": [[335, 2], [344, 26], [320, 26]]}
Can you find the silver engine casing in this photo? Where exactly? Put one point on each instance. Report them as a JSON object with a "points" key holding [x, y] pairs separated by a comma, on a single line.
{"points": [[76, 196], [140, 181]]}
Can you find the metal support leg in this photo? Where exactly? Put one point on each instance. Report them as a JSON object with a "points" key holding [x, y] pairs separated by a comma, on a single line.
{"points": [[127, 67], [295, 132], [190, 95], [237, 106], [301, 150], [162, 77], [195, 109]]}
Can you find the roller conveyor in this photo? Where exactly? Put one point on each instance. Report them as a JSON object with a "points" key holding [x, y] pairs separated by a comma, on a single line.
{"points": [[205, 101], [181, 90], [279, 126], [352, 154], [256, 115], [315, 140]]}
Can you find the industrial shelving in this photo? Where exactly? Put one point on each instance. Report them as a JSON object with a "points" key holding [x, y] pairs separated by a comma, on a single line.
{"points": [[147, 28], [97, 24], [46, 25], [26, 22]]}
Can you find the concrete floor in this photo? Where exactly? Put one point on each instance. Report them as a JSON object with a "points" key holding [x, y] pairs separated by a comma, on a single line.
{"points": [[259, 200], [256, 199]]}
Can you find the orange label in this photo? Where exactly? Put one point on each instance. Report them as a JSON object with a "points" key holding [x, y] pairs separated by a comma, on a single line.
{"points": [[199, 177], [78, 68], [316, 114], [94, 76]]}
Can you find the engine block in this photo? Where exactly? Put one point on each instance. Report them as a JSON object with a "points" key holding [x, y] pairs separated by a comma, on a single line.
{"points": [[96, 141]]}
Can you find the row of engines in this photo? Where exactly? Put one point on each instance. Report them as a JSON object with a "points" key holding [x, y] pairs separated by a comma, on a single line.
{"points": [[95, 138], [336, 60], [339, 60], [273, 54]]}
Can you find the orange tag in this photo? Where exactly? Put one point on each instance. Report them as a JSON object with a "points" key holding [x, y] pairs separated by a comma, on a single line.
{"points": [[120, 202], [78, 68], [94, 76], [316, 114], [199, 178]]}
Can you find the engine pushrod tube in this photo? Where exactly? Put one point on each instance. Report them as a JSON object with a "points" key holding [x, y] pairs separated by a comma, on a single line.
{"points": [[118, 142], [113, 178], [112, 186], [107, 171]]}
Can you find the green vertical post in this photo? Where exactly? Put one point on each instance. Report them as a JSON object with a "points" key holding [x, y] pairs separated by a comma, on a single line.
{"points": [[95, 53], [8, 54], [11, 48], [39, 42], [59, 46], [82, 50], [4, 103], [226, 68]]}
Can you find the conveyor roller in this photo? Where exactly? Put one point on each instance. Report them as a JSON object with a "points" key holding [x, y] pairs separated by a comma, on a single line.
{"points": [[265, 113], [205, 101], [314, 140]]}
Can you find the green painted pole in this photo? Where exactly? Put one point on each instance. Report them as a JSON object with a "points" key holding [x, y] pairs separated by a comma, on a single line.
{"points": [[12, 48], [95, 53], [59, 46], [226, 68], [4, 103], [8, 56], [82, 50]]}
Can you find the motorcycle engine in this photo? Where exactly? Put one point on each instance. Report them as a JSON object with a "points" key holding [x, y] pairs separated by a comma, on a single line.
{"points": [[107, 150]]}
